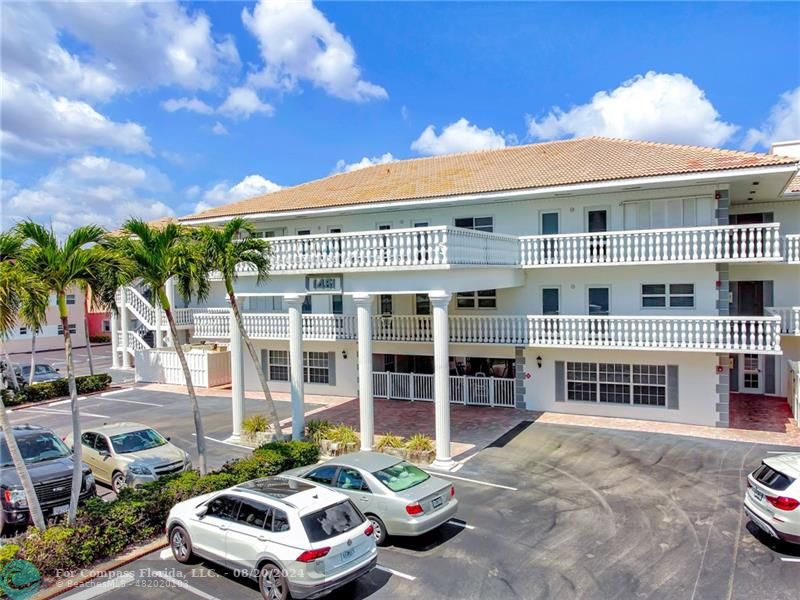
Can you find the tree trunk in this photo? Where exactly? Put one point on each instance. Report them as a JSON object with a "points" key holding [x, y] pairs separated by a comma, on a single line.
{"points": [[22, 470], [88, 345], [33, 358], [262, 377], [187, 374], [11, 374], [77, 451]]}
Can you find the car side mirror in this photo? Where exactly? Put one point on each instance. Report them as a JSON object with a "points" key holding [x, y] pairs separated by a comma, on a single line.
{"points": [[57, 369], [104, 453], [201, 512]]}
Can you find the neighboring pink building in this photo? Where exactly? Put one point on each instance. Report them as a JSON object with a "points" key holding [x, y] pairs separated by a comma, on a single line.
{"points": [[98, 318]]}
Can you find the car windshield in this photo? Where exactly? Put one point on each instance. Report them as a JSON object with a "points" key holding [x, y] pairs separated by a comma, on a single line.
{"points": [[332, 521], [35, 448], [26, 370], [401, 476], [44, 370], [135, 441]]}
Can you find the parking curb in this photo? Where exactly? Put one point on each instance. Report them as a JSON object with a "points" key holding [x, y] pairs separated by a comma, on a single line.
{"points": [[103, 568]]}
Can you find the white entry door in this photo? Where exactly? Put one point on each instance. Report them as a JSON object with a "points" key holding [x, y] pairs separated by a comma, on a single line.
{"points": [[752, 374]]}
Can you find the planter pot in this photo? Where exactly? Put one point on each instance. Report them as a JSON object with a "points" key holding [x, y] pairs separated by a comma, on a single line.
{"points": [[257, 439], [424, 457], [398, 452]]}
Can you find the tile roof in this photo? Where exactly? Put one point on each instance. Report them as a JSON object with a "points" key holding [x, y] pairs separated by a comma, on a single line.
{"points": [[794, 186], [583, 160]]}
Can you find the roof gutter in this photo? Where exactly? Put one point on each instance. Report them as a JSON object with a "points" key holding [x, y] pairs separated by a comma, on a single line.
{"points": [[695, 178]]}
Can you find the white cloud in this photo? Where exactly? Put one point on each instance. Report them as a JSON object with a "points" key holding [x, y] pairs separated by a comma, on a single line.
{"points": [[460, 136], [189, 104], [89, 189], [249, 187], [298, 43], [219, 129], [35, 122], [343, 167], [659, 107], [782, 125], [242, 102]]}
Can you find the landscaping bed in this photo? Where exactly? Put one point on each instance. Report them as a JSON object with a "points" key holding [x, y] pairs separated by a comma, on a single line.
{"points": [[42, 392], [336, 440]]}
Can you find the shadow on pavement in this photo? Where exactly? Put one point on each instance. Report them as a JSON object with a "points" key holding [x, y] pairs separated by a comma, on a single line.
{"points": [[770, 542], [427, 541]]}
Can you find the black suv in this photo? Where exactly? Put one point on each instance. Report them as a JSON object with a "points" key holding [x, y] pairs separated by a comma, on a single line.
{"points": [[49, 462]]}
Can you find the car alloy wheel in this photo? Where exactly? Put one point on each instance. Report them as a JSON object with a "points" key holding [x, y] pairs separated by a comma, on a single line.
{"points": [[180, 546], [118, 483], [379, 530], [273, 583]]}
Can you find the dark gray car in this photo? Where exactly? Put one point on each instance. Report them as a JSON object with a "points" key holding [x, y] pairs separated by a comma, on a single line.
{"points": [[399, 498]]}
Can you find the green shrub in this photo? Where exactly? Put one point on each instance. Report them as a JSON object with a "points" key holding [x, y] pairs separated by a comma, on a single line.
{"points": [[389, 441], [317, 429], [297, 453], [39, 392], [419, 442], [342, 434], [255, 424], [51, 549], [100, 339]]}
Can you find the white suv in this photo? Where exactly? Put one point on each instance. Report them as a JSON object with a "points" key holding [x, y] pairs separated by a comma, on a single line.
{"points": [[772, 500], [292, 536]]}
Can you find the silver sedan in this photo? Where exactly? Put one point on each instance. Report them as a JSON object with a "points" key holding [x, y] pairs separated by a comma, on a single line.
{"points": [[397, 497]]}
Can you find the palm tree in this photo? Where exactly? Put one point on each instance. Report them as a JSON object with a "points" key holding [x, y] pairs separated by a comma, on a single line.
{"points": [[59, 267], [19, 293], [157, 254], [224, 248]]}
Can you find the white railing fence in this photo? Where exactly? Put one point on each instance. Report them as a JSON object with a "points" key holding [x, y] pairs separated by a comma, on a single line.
{"points": [[792, 248], [464, 389], [790, 318], [135, 342], [275, 326], [711, 244]]}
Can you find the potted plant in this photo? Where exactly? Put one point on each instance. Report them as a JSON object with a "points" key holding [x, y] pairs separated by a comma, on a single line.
{"points": [[391, 444], [317, 431], [343, 439], [256, 430], [420, 449]]}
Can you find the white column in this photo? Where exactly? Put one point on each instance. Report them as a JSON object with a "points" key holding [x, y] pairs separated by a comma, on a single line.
{"points": [[126, 321], [159, 337], [170, 290], [237, 378], [441, 378], [295, 303], [114, 340], [365, 401]]}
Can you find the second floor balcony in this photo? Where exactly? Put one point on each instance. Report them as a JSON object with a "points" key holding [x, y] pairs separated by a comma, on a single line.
{"points": [[666, 333]]}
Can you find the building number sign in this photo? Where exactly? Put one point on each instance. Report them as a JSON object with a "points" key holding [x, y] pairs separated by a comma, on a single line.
{"points": [[324, 284]]}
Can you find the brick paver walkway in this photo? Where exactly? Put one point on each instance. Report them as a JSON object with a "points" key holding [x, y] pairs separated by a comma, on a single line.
{"points": [[758, 412]]}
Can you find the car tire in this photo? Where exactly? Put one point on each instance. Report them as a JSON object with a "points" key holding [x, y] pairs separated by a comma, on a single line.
{"points": [[380, 530], [181, 544], [117, 482], [272, 582]]}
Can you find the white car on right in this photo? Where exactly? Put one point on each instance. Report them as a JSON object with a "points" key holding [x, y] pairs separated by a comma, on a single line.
{"points": [[772, 500]]}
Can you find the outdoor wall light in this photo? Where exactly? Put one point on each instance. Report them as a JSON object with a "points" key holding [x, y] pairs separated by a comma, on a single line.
{"points": [[344, 354], [539, 361]]}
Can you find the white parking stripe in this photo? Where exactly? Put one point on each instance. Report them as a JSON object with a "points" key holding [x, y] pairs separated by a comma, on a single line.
{"points": [[787, 559], [486, 483], [165, 554], [53, 411], [460, 524], [114, 393], [398, 573], [224, 442], [184, 585], [133, 402], [102, 588]]}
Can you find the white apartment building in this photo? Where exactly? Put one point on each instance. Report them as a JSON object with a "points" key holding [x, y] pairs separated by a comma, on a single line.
{"points": [[51, 335], [593, 276]]}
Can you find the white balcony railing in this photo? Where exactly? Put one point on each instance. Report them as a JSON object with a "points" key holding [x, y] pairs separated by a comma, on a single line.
{"points": [[790, 318], [792, 248], [728, 243], [709, 334], [414, 247], [464, 389]]}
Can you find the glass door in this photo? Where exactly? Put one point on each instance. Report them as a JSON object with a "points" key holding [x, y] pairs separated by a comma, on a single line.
{"points": [[752, 381]]}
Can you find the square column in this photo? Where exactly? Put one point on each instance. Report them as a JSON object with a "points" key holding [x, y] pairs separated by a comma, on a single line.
{"points": [[126, 323], [441, 378], [114, 339], [237, 378], [295, 304], [365, 401], [159, 336]]}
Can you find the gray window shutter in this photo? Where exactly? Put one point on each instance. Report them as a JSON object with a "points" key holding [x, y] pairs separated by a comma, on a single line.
{"points": [[265, 363], [769, 374], [672, 387], [769, 294], [560, 395], [733, 379], [331, 368], [734, 307], [769, 217]]}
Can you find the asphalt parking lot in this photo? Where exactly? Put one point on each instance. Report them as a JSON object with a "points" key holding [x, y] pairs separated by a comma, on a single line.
{"points": [[101, 359], [557, 512]]}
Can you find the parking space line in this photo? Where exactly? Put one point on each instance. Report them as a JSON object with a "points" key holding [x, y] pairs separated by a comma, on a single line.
{"points": [[787, 559], [458, 523], [134, 402], [115, 392], [165, 554], [184, 585], [102, 588], [486, 483], [398, 573], [227, 443], [53, 411]]}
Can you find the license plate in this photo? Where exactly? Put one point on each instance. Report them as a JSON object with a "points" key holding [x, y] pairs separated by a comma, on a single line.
{"points": [[60, 510], [758, 494], [436, 502], [347, 554]]}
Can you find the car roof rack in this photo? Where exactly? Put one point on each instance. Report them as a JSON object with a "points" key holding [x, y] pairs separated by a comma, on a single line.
{"points": [[277, 488]]}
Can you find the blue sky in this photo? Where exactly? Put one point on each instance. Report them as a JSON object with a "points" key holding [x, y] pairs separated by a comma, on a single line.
{"points": [[163, 109]]}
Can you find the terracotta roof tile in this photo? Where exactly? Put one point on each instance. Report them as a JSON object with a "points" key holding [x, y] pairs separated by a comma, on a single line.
{"points": [[794, 185], [576, 161]]}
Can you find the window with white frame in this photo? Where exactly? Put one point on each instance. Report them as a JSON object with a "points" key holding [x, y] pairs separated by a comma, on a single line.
{"points": [[673, 295], [23, 331], [422, 304], [638, 385], [477, 299], [316, 366], [70, 298], [106, 325], [477, 223], [72, 329]]}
